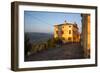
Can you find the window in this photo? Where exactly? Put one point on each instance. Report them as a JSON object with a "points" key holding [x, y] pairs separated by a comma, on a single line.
{"points": [[69, 26], [69, 38], [56, 32], [69, 31], [74, 38], [62, 32]]}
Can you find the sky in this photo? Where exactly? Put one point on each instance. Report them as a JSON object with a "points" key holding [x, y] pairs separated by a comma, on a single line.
{"points": [[43, 22]]}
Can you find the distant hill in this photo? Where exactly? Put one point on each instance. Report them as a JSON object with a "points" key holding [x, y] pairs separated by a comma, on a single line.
{"points": [[35, 37]]}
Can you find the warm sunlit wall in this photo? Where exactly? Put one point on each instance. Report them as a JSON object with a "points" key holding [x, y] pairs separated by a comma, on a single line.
{"points": [[73, 36], [76, 34], [66, 34], [88, 31], [55, 31], [86, 34]]}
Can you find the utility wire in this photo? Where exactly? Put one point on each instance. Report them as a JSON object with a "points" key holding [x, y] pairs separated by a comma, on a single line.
{"points": [[41, 20]]}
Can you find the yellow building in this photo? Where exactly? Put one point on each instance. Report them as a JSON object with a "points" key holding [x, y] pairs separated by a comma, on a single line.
{"points": [[67, 32], [86, 34]]}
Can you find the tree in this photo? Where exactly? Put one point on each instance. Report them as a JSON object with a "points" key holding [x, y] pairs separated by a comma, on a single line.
{"points": [[27, 45]]}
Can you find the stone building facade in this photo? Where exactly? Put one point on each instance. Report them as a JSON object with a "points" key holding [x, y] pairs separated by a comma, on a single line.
{"points": [[67, 32]]}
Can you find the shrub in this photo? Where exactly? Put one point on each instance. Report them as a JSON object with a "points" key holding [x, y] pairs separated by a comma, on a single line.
{"points": [[51, 43]]}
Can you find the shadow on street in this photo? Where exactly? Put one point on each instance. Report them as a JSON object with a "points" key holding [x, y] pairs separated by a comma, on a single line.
{"points": [[66, 51]]}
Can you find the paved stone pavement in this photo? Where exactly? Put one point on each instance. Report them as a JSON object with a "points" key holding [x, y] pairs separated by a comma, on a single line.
{"points": [[66, 51]]}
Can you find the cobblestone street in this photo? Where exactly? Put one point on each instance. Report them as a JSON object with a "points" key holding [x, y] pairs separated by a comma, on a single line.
{"points": [[66, 51]]}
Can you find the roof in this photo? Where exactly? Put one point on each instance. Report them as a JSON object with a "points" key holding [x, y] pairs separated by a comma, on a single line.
{"points": [[65, 24], [74, 24]]}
